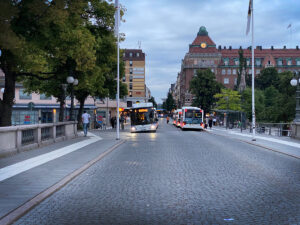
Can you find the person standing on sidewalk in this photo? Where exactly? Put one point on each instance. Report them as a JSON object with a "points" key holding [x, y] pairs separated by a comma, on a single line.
{"points": [[210, 121], [85, 120]]}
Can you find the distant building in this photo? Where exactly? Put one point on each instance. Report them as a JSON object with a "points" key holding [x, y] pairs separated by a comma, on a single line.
{"points": [[134, 78], [224, 62]]}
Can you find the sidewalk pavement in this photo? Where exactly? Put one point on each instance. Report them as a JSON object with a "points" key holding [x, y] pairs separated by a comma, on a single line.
{"points": [[25, 175], [281, 144]]}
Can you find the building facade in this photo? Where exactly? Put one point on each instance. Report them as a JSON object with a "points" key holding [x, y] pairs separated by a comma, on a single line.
{"points": [[134, 78], [224, 63]]}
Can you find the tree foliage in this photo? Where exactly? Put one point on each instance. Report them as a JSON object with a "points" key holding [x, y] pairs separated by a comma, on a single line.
{"points": [[228, 99], [204, 86], [45, 41], [152, 99], [169, 104]]}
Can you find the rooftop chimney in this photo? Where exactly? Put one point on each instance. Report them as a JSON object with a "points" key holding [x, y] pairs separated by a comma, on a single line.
{"points": [[220, 47], [230, 47], [272, 47], [297, 47], [284, 47], [224, 47]]}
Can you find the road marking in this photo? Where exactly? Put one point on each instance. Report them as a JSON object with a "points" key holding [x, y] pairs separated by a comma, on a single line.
{"points": [[14, 215], [265, 138], [28, 164]]}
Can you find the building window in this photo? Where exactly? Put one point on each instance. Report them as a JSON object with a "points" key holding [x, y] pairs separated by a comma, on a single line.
{"points": [[229, 71], [289, 62], [236, 62], [130, 78], [130, 86], [235, 81], [298, 62], [44, 97], [24, 95], [124, 78], [137, 54], [234, 71], [212, 70], [195, 72], [257, 71], [258, 62], [226, 80], [250, 71], [279, 62], [248, 62], [123, 54], [130, 54], [130, 63], [223, 71], [130, 70], [130, 93], [226, 61]]}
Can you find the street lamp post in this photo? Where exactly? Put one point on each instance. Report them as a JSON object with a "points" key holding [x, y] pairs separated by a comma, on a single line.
{"points": [[296, 82], [72, 82]]}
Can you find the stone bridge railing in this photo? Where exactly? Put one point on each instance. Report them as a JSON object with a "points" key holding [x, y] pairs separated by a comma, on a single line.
{"points": [[15, 139]]}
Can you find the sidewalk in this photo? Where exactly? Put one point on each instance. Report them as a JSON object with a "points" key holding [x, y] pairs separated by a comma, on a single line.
{"points": [[281, 144], [25, 175]]}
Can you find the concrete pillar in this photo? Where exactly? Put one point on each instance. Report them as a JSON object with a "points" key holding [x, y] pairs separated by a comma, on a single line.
{"points": [[38, 135], [19, 139]]}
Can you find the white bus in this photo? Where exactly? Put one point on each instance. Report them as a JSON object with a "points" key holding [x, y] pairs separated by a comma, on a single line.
{"points": [[192, 118], [177, 117], [143, 118]]}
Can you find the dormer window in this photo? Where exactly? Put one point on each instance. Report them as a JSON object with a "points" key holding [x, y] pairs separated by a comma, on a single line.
{"points": [[248, 62], [236, 62], [137, 54], [298, 62], [226, 61], [289, 62], [130, 54]]}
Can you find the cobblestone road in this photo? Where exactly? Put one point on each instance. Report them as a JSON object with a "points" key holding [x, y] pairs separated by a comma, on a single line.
{"points": [[179, 177]]}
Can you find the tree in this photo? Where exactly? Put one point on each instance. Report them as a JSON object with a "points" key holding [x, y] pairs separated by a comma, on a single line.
{"points": [[170, 103], [228, 99], [204, 86], [152, 99], [259, 104], [268, 77]]}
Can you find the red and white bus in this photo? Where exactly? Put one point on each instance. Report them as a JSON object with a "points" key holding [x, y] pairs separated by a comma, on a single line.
{"points": [[192, 118], [177, 117]]}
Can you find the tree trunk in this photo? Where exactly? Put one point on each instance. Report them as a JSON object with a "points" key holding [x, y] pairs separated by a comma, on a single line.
{"points": [[81, 101], [61, 108], [7, 102]]}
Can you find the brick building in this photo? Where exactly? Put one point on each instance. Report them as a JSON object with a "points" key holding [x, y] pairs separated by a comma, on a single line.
{"points": [[134, 60], [224, 62]]}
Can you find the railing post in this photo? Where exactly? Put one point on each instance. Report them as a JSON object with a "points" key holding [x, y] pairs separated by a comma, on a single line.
{"points": [[38, 135], [54, 132], [19, 139]]}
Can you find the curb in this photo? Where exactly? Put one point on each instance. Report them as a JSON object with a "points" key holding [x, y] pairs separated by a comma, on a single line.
{"points": [[17, 213], [257, 145]]}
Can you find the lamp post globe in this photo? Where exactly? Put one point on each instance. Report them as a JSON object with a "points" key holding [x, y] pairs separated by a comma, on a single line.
{"points": [[75, 82], [293, 82], [70, 80]]}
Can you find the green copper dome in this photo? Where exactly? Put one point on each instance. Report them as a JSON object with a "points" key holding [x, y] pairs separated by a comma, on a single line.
{"points": [[203, 31]]}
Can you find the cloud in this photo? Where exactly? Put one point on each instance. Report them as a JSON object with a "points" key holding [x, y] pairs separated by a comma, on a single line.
{"points": [[167, 27]]}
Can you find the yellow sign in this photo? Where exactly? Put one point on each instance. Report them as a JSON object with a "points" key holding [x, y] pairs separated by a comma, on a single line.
{"points": [[121, 109], [54, 111], [143, 110]]}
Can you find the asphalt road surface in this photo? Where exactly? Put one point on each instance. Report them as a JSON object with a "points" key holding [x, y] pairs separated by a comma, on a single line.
{"points": [[179, 177]]}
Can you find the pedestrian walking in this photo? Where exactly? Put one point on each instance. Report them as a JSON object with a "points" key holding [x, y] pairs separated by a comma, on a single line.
{"points": [[112, 122], [122, 122], [85, 120], [210, 121], [168, 119]]}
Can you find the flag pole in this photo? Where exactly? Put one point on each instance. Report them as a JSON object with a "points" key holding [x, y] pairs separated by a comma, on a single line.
{"points": [[118, 66], [253, 97]]}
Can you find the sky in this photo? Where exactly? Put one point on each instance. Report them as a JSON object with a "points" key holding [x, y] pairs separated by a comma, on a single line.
{"points": [[165, 29]]}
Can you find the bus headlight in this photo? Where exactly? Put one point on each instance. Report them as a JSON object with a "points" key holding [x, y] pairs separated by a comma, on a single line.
{"points": [[133, 129], [152, 127]]}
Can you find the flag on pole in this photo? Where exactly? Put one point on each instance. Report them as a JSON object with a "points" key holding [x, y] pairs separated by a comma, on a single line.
{"points": [[249, 18], [289, 26]]}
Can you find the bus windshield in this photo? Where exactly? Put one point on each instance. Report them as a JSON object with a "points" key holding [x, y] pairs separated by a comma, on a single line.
{"points": [[193, 116], [142, 116]]}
